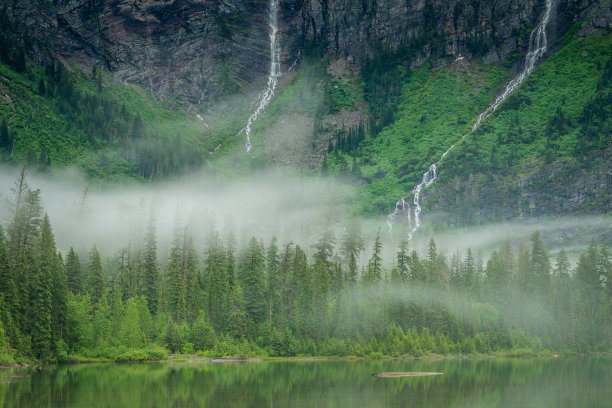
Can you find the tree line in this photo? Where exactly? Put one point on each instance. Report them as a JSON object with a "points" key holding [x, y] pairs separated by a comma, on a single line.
{"points": [[274, 299]]}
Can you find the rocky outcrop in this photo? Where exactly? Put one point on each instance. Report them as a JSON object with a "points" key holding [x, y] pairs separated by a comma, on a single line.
{"points": [[197, 50], [192, 50], [559, 188]]}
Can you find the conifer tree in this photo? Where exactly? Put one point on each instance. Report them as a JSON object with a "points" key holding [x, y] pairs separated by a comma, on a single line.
{"points": [[273, 282], [41, 303], [74, 272], [303, 313], [252, 283], [539, 266], [192, 285], [60, 299], [320, 289], [287, 285], [96, 276], [403, 268], [217, 283], [374, 270], [150, 271], [176, 286], [352, 240]]}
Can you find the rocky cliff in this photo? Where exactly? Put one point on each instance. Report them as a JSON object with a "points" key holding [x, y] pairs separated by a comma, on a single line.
{"points": [[196, 50]]}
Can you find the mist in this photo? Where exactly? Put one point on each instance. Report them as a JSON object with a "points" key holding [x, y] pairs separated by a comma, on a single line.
{"points": [[264, 204]]}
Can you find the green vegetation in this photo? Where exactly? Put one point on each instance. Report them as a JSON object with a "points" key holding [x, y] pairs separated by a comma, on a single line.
{"points": [[252, 300], [561, 114], [52, 116], [434, 110]]}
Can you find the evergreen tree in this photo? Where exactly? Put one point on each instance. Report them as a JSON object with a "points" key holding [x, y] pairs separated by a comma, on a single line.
{"points": [[287, 285], [303, 313], [562, 269], [352, 240], [320, 290], [273, 282], [8, 292], [192, 286], [60, 300], [74, 272], [403, 262], [96, 276], [41, 303], [176, 286], [217, 283], [539, 267], [149, 268], [374, 269], [325, 246], [252, 283]]}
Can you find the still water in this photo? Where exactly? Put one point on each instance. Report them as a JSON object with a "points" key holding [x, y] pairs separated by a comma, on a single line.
{"points": [[516, 382]]}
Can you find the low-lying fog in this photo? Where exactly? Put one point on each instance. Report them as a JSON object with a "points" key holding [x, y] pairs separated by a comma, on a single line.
{"points": [[264, 205]]}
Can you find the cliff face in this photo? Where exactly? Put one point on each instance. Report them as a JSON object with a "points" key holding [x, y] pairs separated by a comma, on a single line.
{"points": [[196, 50], [554, 190], [192, 50], [446, 27]]}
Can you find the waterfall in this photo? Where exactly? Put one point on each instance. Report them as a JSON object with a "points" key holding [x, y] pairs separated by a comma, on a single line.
{"points": [[537, 48], [268, 93]]}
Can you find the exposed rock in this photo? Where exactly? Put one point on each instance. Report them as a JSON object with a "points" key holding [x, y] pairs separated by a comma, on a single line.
{"points": [[197, 50], [557, 189]]}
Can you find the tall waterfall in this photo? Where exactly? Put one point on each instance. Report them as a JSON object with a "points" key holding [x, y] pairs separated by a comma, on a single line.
{"points": [[537, 48], [268, 92]]}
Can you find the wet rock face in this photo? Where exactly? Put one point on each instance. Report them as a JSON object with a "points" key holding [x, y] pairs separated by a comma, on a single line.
{"points": [[556, 189], [449, 27], [197, 50], [192, 50]]}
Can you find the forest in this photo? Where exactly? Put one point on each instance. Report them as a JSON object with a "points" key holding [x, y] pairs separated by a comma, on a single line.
{"points": [[229, 296]]}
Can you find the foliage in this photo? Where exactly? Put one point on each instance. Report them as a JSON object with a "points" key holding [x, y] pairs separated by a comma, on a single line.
{"points": [[276, 301]]}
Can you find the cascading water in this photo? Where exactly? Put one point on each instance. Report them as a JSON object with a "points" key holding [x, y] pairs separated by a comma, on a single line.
{"points": [[537, 48], [268, 93]]}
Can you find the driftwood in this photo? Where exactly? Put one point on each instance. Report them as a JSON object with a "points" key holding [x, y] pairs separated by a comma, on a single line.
{"points": [[404, 374]]}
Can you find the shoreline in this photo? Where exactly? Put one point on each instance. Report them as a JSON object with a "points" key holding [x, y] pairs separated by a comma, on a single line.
{"points": [[194, 358]]}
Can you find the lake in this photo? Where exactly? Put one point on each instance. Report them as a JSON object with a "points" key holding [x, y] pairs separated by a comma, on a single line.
{"points": [[477, 382]]}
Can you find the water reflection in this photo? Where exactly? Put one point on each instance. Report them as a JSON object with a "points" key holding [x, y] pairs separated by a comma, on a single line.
{"points": [[541, 382]]}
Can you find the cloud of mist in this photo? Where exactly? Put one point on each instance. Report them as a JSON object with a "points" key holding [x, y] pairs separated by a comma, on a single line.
{"points": [[265, 204]]}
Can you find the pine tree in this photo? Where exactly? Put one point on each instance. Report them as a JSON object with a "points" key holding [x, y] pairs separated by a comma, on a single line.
{"points": [[325, 246], [8, 291], [74, 272], [303, 313], [41, 303], [539, 267], [352, 240], [252, 283], [403, 262], [351, 274], [192, 285], [96, 276], [374, 270], [60, 300], [287, 285], [150, 271], [562, 269], [176, 286], [320, 289], [273, 282], [217, 283]]}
